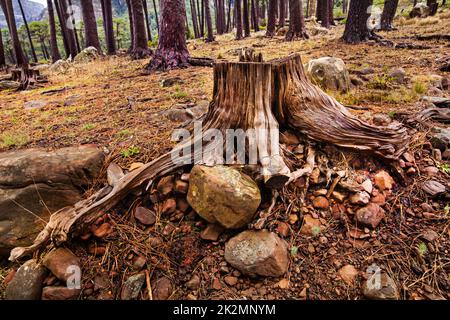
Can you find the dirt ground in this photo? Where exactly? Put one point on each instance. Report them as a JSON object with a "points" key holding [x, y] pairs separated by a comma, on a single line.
{"points": [[119, 108]]}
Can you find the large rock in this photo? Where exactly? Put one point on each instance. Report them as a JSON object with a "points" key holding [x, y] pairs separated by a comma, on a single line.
{"points": [[86, 55], [420, 10], [8, 84], [132, 286], [329, 72], [62, 263], [34, 177], [60, 293], [441, 138], [258, 253], [382, 288], [27, 282], [60, 66], [223, 195]]}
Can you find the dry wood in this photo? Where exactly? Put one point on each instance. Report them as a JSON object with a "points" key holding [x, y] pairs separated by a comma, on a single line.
{"points": [[247, 95]]}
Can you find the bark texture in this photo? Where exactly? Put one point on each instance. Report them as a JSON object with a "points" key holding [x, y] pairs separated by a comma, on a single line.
{"points": [[210, 35], [246, 18], [2, 53], [246, 95], [297, 29], [272, 17], [356, 29], [90, 25], [172, 51], [52, 28], [140, 48], [238, 17], [387, 17], [108, 26], [25, 22]]}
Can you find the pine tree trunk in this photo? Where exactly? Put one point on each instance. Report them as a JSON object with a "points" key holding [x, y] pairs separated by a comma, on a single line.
{"points": [[33, 52], [147, 20], [387, 17], [172, 51], [109, 26], [312, 8], [53, 41], [2, 53], [156, 15], [238, 15], [255, 15], [255, 97], [210, 35], [140, 46], [330, 12], [130, 19], [433, 5], [325, 13], [229, 17], [71, 38], [202, 19], [356, 29], [272, 17], [246, 19], [297, 29], [63, 26], [90, 25], [282, 10], [75, 32], [194, 19]]}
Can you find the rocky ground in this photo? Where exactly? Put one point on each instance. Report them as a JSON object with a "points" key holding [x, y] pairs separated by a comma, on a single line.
{"points": [[359, 217]]}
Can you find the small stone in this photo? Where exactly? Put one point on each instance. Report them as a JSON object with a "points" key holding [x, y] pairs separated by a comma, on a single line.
{"points": [[367, 186], [433, 188], [446, 154], [429, 235], [320, 192], [379, 199], [135, 165], [185, 177], [398, 75], [114, 173], [370, 215], [62, 263], [283, 284], [212, 232], [426, 207], [169, 206], [103, 230], [411, 171], [338, 196], [60, 293], [145, 216], [216, 285], [283, 229], [360, 198], [181, 187], [230, 280], [311, 248], [380, 287], [348, 274], [139, 262], [431, 171], [165, 185], [162, 289], [193, 283], [311, 226], [437, 154], [321, 203], [258, 252], [293, 218], [72, 100], [383, 180], [35, 104], [27, 282], [132, 287]]}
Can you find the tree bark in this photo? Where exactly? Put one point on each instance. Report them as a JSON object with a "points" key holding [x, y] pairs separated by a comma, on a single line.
{"points": [[387, 17], [330, 12], [140, 46], [147, 20], [312, 8], [156, 15], [238, 16], [2, 53], [194, 19], [172, 51], [69, 27], [433, 5], [272, 17], [210, 34], [255, 15], [324, 13], [250, 96], [297, 29], [130, 19], [90, 25], [109, 26], [33, 52], [53, 41], [75, 32], [356, 29], [282, 10], [63, 26], [246, 19]]}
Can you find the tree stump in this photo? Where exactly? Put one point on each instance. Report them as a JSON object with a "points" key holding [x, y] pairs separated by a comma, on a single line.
{"points": [[26, 76], [250, 96]]}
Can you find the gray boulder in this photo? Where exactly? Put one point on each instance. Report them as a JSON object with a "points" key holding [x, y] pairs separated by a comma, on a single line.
{"points": [[86, 55], [329, 73], [420, 10], [27, 282], [35, 183], [60, 66]]}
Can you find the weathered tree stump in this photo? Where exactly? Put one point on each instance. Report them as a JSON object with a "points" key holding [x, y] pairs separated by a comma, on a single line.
{"points": [[26, 76], [256, 96]]}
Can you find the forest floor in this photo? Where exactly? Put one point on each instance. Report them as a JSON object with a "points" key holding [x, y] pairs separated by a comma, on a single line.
{"points": [[113, 104]]}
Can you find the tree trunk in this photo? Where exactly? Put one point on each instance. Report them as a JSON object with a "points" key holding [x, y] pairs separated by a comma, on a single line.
{"points": [[297, 29], [75, 32], [324, 13], [71, 38], [282, 10], [246, 19], [257, 98], [330, 12], [33, 52], [2, 53], [387, 17], [344, 6], [433, 5], [140, 46], [63, 26], [210, 35], [194, 19], [220, 16], [53, 41], [147, 20], [109, 26], [172, 51], [312, 8], [255, 15], [90, 25], [238, 15], [271, 23], [356, 29], [202, 19], [130, 19], [156, 15]]}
